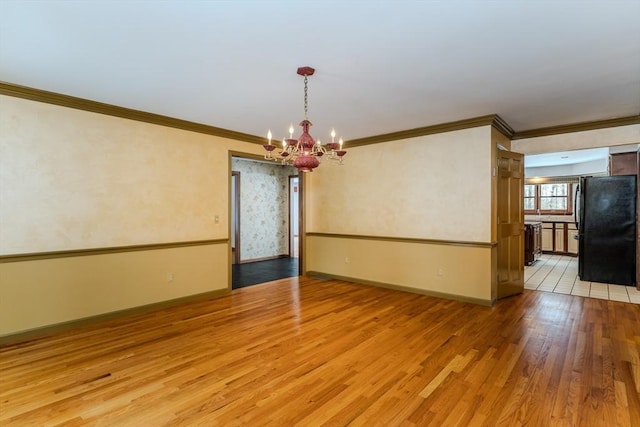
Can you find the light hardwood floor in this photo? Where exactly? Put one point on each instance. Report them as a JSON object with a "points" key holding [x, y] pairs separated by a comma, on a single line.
{"points": [[310, 352]]}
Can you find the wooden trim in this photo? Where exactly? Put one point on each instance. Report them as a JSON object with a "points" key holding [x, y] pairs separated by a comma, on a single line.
{"points": [[125, 113], [302, 225], [39, 95], [104, 251], [48, 330], [454, 297], [250, 156], [571, 179], [494, 120], [289, 215], [236, 232], [266, 258], [577, 127], [406, 240], [422, 131], [502, 126], [537, 182]]}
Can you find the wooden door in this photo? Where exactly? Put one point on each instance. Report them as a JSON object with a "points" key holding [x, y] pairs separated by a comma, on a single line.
{"points": [[510, 207]]}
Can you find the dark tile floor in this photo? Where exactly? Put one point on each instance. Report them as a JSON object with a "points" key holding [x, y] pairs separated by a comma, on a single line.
{"points": [[253, 273]]}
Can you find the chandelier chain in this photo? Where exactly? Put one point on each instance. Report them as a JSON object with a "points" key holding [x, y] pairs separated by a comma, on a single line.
{"points": [[306, 103]]}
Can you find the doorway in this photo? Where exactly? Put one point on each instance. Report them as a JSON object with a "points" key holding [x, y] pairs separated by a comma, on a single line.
{"points": [[264, 222], [294, 217]]}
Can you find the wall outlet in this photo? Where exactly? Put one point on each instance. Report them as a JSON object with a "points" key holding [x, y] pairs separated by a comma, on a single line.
{"points": [[170, 277], [347, 260], [216, 219], [441, 272]]}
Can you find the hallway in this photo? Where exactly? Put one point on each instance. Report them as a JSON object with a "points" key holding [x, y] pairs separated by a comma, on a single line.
{"points": [[252, 273]]}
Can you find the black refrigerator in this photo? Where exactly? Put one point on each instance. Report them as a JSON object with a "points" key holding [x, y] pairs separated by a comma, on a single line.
{"points": [[607, 229]]}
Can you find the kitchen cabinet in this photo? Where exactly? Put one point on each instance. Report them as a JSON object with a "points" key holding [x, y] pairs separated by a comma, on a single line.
{"points": [[558, 237], [559, 241], [572, 240], [532, 242], [624, 163], [547, 237]]}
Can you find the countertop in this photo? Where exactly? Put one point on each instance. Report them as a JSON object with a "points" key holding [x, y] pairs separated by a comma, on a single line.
{"points": [[547, 218]]}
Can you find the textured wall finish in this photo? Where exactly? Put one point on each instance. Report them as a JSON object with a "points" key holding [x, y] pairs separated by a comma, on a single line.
{"points": [[264, 208], [417, 188], [72, 179], [436, 187]]}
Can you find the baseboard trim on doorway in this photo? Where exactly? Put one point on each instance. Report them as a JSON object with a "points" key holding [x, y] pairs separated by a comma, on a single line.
{"points": [[268, 258]]}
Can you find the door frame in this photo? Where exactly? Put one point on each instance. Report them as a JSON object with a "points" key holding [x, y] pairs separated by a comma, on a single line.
{"points": [[235, 200], [291, 238], [301, 210]]}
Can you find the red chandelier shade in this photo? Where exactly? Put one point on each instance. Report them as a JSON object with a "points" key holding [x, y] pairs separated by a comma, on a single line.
{"points": [[305, 153]]}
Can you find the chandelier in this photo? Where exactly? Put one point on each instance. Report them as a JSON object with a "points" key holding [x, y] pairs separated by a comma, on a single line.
{"points": [[304, 153]]}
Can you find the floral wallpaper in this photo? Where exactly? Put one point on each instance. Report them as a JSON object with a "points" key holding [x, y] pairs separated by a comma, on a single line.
{"points": [[264, 208]]}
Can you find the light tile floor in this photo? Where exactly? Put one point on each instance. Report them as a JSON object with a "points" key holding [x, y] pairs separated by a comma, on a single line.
{"points": [[559, 274]]}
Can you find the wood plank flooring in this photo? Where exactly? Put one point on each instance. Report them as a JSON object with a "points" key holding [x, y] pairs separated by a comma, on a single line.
{"points": [[309, 352]]}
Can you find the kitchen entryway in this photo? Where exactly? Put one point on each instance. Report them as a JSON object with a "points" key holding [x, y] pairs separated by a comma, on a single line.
{"points": [[559, 274]]}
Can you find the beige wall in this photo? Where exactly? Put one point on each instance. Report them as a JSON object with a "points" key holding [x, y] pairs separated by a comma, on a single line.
{"points": [[415, 188], [435, 187], [71, 179], [459, 272], [34, 294]]}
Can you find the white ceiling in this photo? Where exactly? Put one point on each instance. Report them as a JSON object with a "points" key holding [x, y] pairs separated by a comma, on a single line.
{"points": [[566, 157], [382, 66]]}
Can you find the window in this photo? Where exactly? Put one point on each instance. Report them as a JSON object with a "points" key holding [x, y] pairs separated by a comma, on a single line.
{"points": [[552, 198], [530, 197]]}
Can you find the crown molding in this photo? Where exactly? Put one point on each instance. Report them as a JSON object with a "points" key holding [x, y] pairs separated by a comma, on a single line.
{"points": [[492, 119], [502, 126], [125, 113], [577, 127]]}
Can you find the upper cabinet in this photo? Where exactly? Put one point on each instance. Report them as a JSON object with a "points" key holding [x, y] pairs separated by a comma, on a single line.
{"points": [[624, 163]]}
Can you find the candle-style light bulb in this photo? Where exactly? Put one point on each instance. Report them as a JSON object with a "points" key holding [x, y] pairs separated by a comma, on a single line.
{"points": [[284, 144], [291, 131], [269, 136], [340, 142], [333, 135]]}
